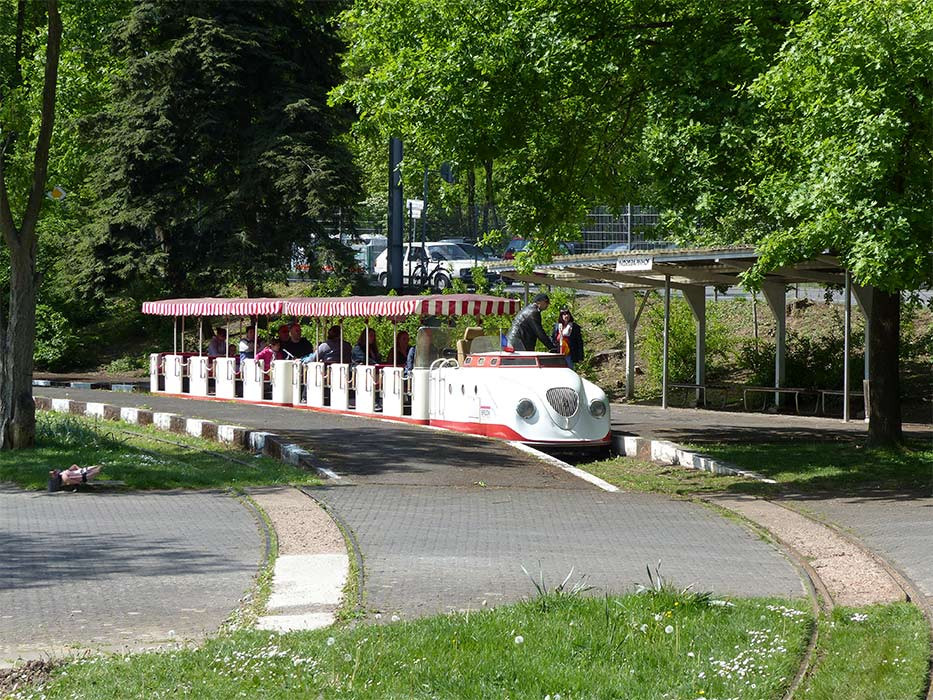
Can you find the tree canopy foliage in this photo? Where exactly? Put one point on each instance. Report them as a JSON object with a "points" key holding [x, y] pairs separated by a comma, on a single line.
{"points": [[218, 151], [798, 126]]}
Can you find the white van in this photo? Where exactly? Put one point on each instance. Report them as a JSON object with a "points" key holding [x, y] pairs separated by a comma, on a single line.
{"points": [[441, 261]]}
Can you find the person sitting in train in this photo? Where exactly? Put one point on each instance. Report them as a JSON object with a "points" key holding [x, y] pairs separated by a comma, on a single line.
{"points": [[272, 351], [247, 345], [218, 346], [331, 350], [526, 328], [359, 355], [294, 346], [403, 354], [283, 333]]}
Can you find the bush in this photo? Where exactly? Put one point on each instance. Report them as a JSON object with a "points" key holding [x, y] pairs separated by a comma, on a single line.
{"points": [[682, 342], [56, 340], [810, 361]]}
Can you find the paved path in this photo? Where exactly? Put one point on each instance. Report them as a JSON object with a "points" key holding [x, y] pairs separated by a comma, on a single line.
{"points": [[445, 520], [119, 570]]}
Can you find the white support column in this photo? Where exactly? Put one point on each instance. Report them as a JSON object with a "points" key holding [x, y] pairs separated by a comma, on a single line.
{"points": [[696, 299], [864, 297], [625, 300], [775, 294], [847, 331], [667, 326]]}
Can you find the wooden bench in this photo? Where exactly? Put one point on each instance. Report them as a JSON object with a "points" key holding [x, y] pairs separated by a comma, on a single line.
{"points": [[837, 392], [795, 391], [704, 390]]}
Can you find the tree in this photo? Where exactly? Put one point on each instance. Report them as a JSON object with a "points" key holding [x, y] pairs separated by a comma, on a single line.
{"points": [[845, 163], [561, 97], [219, 152], [742, 132], [17, 332]]}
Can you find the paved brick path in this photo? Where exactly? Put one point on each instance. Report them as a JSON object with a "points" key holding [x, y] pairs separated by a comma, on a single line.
{"points": [[119, 570], [433, 538]]}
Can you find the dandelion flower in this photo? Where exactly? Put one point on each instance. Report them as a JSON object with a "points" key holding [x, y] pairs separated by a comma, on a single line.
{"points": [[644, 628], [330, 641], [519, 639], [668, 629], [395, 618]]}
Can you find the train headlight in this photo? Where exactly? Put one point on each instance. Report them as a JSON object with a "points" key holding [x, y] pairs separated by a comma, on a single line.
{"points": [[597, 408], [525, 408]]}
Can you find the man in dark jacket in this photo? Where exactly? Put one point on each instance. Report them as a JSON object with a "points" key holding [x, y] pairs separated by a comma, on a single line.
{"points": [[527, 329]]}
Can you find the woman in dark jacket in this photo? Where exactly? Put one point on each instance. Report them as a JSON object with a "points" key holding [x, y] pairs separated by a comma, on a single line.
{"points": [[568, 337]]}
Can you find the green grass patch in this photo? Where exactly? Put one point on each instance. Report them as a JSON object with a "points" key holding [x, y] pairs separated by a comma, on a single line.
{"points": [[870, 653], [636, 475], [640, 647], [796, 467], [838, 466], [141, 459]]}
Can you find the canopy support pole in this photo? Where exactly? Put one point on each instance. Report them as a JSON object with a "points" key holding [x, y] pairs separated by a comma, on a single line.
{"points": [[174, 335], [775, 293], [847, 331], [667, 325], [625, 300], [696, 299], [182, 334], [864, 297], [200, 335], [366, 326]]}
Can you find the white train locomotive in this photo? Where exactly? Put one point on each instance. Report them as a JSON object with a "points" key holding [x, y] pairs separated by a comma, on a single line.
{"points": [[469, 384]]}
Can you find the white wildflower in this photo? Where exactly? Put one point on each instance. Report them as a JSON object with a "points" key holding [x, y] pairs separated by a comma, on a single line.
{"points": [[519, 639]]}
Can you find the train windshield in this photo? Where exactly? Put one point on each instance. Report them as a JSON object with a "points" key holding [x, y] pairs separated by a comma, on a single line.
{"points": [[433, 343]]}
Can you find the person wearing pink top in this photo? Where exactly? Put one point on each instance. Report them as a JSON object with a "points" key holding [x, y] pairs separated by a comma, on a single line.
{"points": [[273, 351]]}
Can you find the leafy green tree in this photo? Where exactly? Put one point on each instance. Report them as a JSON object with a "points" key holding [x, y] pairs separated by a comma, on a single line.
{"points": [[17, 325], [796, 126], [219, 152], [845, 163]]}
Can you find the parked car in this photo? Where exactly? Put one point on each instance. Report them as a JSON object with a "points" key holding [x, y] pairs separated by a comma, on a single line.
{"points": [[517, 245], [615, 248], [443, 262]]}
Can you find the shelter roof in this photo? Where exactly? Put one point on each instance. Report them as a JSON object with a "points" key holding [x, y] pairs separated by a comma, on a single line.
{"points": [[338, 307], [686, 267]]}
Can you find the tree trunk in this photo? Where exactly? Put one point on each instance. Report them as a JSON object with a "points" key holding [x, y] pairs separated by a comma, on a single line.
{"points": [[471, 200], [17, 339], [487, 199], [884, 421], [18, 422]]}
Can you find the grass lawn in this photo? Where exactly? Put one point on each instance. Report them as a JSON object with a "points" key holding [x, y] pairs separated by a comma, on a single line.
{"points": [[879, 651], [141, 460], [839, 468], [639, 647]]}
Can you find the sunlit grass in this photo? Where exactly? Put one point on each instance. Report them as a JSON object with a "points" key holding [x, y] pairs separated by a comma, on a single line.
{"points": [[796, 467], [141, 460], [640, 647], [880, 651]]}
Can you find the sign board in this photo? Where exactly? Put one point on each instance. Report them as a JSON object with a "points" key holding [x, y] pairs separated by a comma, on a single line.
{"points": [[414, 207], [57, 194], [640, 263]]}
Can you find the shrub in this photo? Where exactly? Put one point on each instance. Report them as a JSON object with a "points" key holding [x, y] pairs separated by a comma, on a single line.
{"points": [[56, 340], [681, 343]]}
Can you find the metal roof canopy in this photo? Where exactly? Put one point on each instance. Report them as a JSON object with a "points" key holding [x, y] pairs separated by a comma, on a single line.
{"points": [[691, 271]]}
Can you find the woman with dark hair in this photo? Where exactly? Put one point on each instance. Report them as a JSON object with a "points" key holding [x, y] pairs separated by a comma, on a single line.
{"points": [[363, 355], [568, 337]]}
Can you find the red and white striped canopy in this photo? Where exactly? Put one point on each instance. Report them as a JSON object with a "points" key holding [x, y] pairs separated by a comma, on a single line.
{"points": [[214, 307], [393, 307], [339, 307]]}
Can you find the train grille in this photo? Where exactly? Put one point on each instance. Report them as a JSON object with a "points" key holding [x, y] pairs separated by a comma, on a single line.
{"points": [[564, 400]]}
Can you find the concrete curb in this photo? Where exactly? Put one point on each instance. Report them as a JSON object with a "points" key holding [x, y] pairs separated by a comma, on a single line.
{"points": [[140, 386], [670, 453], [266, 443]]}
